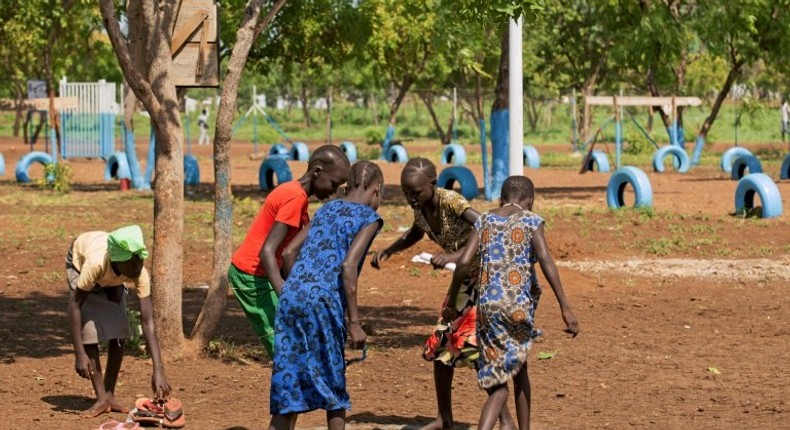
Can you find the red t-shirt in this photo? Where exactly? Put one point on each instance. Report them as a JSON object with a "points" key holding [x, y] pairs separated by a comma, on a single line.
{"points": [[287, 204]]}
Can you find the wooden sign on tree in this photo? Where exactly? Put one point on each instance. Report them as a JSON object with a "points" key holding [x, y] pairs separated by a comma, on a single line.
{"points": [[195, 44]]}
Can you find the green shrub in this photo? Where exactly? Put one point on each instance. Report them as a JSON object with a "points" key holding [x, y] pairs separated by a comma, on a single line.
{"points": [[57, 177], [374, 136]]}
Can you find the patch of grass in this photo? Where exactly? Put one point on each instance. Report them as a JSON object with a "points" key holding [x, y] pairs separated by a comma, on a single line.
{"points": [[414, 272], [765, 251], [661, 246], [54, 276], [226, 350]]}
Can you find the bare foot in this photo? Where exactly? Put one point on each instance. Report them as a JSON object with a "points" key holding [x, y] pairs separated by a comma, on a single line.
{"points": [[116, 406], [98, 408], [437, 424]]}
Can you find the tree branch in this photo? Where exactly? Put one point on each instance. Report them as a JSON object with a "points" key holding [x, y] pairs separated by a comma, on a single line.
{"points": [[267, 19], [139, 85]]}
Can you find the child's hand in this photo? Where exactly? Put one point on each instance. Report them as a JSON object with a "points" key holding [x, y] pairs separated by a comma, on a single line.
{"points": [[159, 385], [449, 314], [358, 336], [441, 260], [570, 322], [379, 258], [83, 366]]}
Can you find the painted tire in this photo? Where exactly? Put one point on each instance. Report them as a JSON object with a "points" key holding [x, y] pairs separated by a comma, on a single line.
{"points": [[350, 150], [397, 154], [299, 152], [682, 162], [531, 157], [729, 156], [279, 150], [638, 180], [783, 174], [743, 163], [762, 185], [463, 176], [2, 165], [273, 167], [25, 162], [191, 170], [117, 167], [599, 159], [454, 154]]}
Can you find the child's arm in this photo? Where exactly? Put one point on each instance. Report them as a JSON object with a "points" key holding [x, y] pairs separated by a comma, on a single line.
{"points": [[440, 260], [82, 363], [291, 252], [449, 313], [550, 271], [404, 242], [159, 384], [354, 256], [268, 255]]}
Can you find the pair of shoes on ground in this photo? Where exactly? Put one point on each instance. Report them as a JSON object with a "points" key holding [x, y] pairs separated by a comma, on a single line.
{"points": [[166, 413]]}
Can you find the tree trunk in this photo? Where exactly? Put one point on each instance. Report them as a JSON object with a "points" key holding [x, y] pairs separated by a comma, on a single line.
{"points": [[403, 89], [216, 299], [374, 108], [19, 110], [501, 98], [735, 71], [533, 115], [427, 99], [305, 108]]}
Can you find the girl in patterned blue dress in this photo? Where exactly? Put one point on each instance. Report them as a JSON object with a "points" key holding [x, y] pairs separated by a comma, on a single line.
{"points": [[321, 286], [510, 240]]}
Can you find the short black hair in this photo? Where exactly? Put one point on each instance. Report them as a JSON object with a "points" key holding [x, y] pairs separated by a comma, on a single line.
{"points": [[364, 174], [421, 165], [516, 188], [328, 155]]}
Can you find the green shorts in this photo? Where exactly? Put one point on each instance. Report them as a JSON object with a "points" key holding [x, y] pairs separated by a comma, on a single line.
{"points": [[259, 302]]}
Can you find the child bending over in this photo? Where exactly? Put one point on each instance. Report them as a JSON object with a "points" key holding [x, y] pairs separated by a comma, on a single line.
{"points": [[98, 264]]}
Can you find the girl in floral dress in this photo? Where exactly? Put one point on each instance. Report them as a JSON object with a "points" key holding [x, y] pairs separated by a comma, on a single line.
{"points": [[447, 218], [509, 241], [310, 327]]}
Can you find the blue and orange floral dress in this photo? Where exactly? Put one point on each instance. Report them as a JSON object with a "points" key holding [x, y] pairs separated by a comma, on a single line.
{"points": [[309, 369], [509, 294]]}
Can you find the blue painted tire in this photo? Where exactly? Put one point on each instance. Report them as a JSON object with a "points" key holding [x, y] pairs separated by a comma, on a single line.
{"points": [[350, 150], [463, 176], [273, 167], [454, 154], [599, 159], [729, 156], [638, 180], [682, 162], [783, 174], [117, 167], [191, 170], [25, 162], [743, 163], [531, 157], [397, 154], [762, 185], [2, 165], [299, 152], [279, 150]]}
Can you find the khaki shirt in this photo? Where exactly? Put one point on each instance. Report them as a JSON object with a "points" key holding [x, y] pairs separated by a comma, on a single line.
{"points": [[91, 259]]}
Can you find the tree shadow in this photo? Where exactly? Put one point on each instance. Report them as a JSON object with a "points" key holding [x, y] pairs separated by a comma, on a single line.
{"points": [[34, 326], [394, 326], [408, 423]]}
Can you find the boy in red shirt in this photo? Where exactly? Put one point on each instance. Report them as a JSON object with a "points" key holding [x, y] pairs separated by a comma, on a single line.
{"points": [[254, 273]]}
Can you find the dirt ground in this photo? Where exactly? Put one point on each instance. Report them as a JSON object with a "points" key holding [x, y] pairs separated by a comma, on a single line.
{"points": [[684, 310]]}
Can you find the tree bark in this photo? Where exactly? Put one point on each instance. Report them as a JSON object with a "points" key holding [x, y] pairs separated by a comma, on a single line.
{"points": [[374, 108], [735, 71], [501, 98], [216, 300], [19, 115]]}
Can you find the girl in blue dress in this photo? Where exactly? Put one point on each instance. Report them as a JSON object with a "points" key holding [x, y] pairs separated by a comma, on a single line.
{"points": [[509, 241], [321, 286]]}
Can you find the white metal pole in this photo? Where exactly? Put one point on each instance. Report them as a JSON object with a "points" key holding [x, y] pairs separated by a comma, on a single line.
{"points": [[516, 97]]}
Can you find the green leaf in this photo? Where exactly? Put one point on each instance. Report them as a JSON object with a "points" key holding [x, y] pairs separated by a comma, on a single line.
{"points": [[546, 355], [713, 370]]}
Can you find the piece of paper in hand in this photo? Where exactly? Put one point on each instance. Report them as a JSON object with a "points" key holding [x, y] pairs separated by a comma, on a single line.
{"points": [[425, 258]]}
